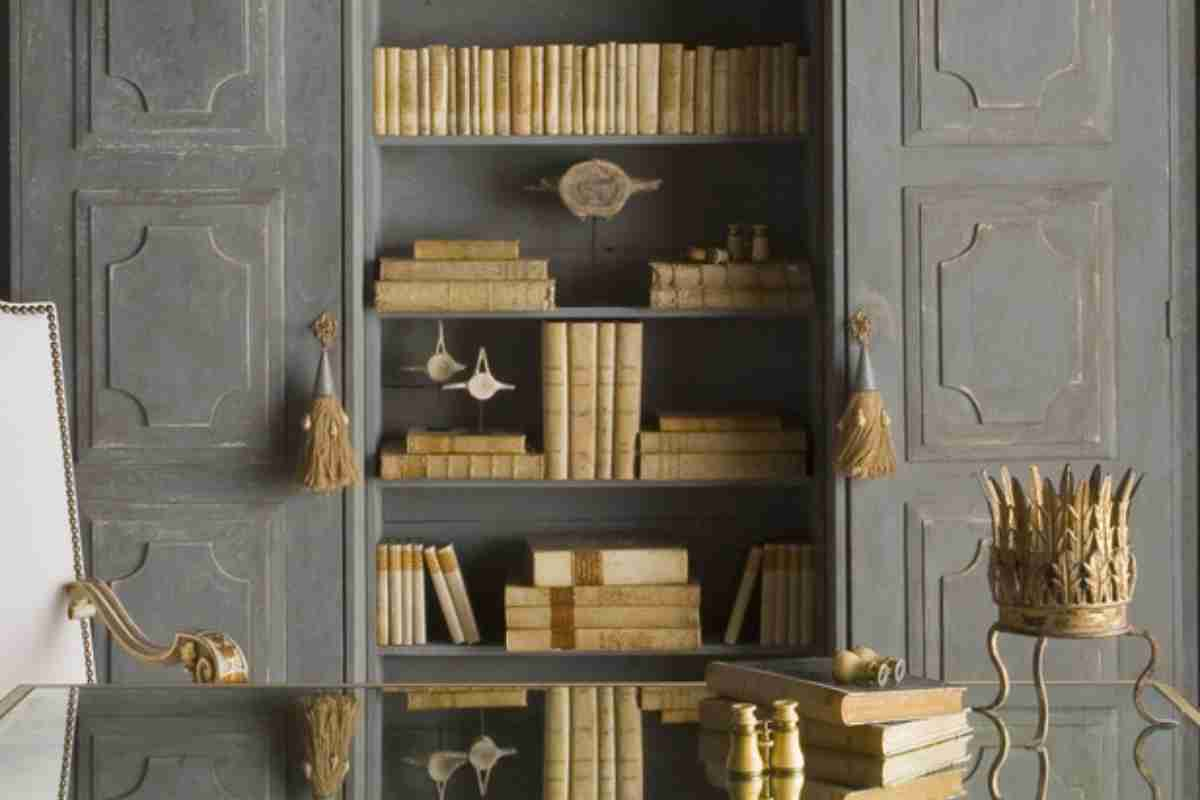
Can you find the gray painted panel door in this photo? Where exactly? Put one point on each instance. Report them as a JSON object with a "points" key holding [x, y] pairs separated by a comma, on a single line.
{"points": [[1007, 214]]}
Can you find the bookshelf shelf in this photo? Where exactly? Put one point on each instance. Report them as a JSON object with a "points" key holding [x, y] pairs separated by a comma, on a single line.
{"points": [[606, 313], [400, 485], [713, 650], [584, 141]]}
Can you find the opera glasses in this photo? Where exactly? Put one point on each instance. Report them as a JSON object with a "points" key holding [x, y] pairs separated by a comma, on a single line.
{"points": [[862, 666], [765, 760]]}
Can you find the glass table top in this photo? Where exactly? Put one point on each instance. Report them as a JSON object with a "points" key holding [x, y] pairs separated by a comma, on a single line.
{"points": [[103, 742]]}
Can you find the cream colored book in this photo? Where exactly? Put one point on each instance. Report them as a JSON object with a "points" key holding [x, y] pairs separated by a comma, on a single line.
{"points": [[409, 93], [579, 81], [660, 698], [397, 465], [604, 560], [750, 90], [720, 93], [611, 90], [766, 89], [621, 74], [603, 639], [682, 595], [566, 89], [936, 786], [582, 343], [591, 89], [421, 633], [788, 89], [461, 440], [606, 726], [464, 295], [411, 269], [630, 759], [766, 609], [466, 249], [396, 610], [393, 91], [585, 744], [778, 80], [382, 603], [411, 556], [380, 91], [452, 93], [606, 390], [795, 300], [448, 560], [631, 89], [556, 415], [476, 92], [684, 422], [670, 88], [553, 84], [462, 90], [424, 92], [721, 466], [408, 612], [687, 93], [795, 608], [808, 594], [802, 114], [741, 602], [779, 599], [537, 90], [502, 94], [885, 739], [487, 91], [439, 89], [682, 275], [473, 697], [628, 405], [704, 89], [556, 746], [602, 89], [442, 590], [854, 769], [734, 100], [522, 91], [725, 442], [648, 76], [679, 716], [568, 617]]}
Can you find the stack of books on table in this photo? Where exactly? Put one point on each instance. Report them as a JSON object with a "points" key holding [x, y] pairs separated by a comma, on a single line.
{"points": [[776, 285], [460, 455], [603, 594], [464, 275], [722, 447], [400, 607], [903, 742], [593, 743]]}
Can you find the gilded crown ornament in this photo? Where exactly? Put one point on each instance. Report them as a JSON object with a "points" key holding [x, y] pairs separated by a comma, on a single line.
{"points": [[1060, 561]]}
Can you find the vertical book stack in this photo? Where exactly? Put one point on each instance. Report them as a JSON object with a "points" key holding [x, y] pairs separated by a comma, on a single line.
{"points": [[400, 607], [459, 455], [592, 744], [722, 447], [464, 275]]}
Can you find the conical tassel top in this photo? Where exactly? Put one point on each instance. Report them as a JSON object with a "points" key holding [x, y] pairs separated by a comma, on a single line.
{"points": [[324, 386], [864, 448], [330, 463], [864, 377]]}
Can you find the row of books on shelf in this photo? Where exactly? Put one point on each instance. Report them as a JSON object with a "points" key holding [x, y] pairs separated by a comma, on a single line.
{"points": [[609, 88], [400, 609], [772, 285], [787, 610], [592, 743]]}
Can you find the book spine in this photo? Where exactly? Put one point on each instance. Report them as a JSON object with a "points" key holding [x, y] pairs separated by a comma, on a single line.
{"points": [[582, 343], [770, 573], [724, 442], [778, 80], [663, 595], [396, 610], [611, 93], [579, 81], [669, 275], [380, 90], [407, 269], [487, 91], [419, 441], [670, 88], [628, 403], [566, 89], [779, 599], [808, 594], [408, 613], [788, 90], [648, 57], [382, 603], [734, 101], [556, 415], [630, 779], [802, 114], [621, 72], [537, 90], [553, 86], [462, 65], [452, 91], [572, 617], [466, 250], [721, 466], [445, 601], [556, 765], [409, 90], [661, 698], [602, 88], [631, 89], [522, 91], [421, 631], [606, 724], [794, 611], [398, 465], [750, 90], [439, 89], [482, 697], [720, 93], [476, 93], [457, 584], [585, 750], [424, 93], [687, 93], [464, 295], [704, 297], [742, 600], [603, 639], [393, 91], [765, 89], [502, 94], [717, 423], [704, 89], [606, 389], [590, 89]]}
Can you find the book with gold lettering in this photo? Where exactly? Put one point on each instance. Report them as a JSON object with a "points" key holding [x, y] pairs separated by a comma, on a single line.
{"points": [[684, 275], [724, 442], [476, 92], [621, 74], [749, 82], [411, 269], [382, 603], [556, 415], [393, 91], [445, 295], [552, 103], [716, 298], [687, 93], [424, 92], [704, 89], [602, 88], [631, 89], [628, 405], [606, 726], [537, 90], [766, 89], [396, 465], [452, 91], [679, 421], [721, 466], [603, 639], [648, 82], [502, 93], [591, 89], [462, 91], [448, 560], [578, 81], [606, 390], [682, 595], [720, 93], [439, 89], [585, 744], [460, 697], [566, 89], [670, 88], [423, 440], [568, 617], [604, 560], [442, 590], [409, 91], [522, 90], [556, 757], [611, 91], [661, 698], [630, 766], [487, 91], [466, 250], [380, 90], [582, 351], [735, 101]]}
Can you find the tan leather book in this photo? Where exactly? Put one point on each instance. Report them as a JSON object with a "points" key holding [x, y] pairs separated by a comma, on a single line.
{"points": [[682, 595], [725, 442], [556, 748], [770, 579], [502, 93], [409, 93], [788, 89], [679, 716], [393, 91], [478, 697], [685, 422], [553, 84], [466, 250], [802, 113], [741, 602], [940, 784], [682, 275], [582, 343], [464, 295], [422, 632], [885, 739], [566, 89], [855, 769], [661, 698], [630, 764], [648, 76], [411, 269], [487, 91], [604, 639], [452, 94], [809, 681], [579, 81], [412, 557], [721, 466], [621, 92], [628, 404], [439, 89], [735, 101], [382, 603], [537, 90], [704, 297], [380, 91], [794, 610], [448, 560], [606, 726], [606, 391], [604, 560], [631, 89], [687, 93], [591, 89], [778, 83], [602, 89], [585, 744], [424, 440], [397, 465], [808, 594], [442, 590], [720, 93], [670, 88], [704, 90], [766, 89], [406, 632], [396, 596], [462, 90], [424, 92], [571, 617], [476, 92], [556, 415], [750, 90], [611, 89], [522, 90]]}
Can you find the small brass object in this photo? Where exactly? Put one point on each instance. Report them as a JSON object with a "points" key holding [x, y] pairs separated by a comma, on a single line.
{"points": [[862, 666], [760, 246]]}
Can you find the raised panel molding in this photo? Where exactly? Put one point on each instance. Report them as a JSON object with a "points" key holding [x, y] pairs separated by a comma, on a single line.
{"points": [[186, 567], [180, 324], [993, 274], [995, 73], [179, 74]]}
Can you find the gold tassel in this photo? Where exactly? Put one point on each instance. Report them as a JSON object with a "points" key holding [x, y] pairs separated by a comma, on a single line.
{"points": [[864, 447], [329, 463], [329, 721]]}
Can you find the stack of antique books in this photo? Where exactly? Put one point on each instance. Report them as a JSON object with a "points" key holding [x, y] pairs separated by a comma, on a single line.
{"points": [[459, 455], [603, 594], [722, 447], [464, 275], [593, 743], [908, 741], [688, 284]]}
